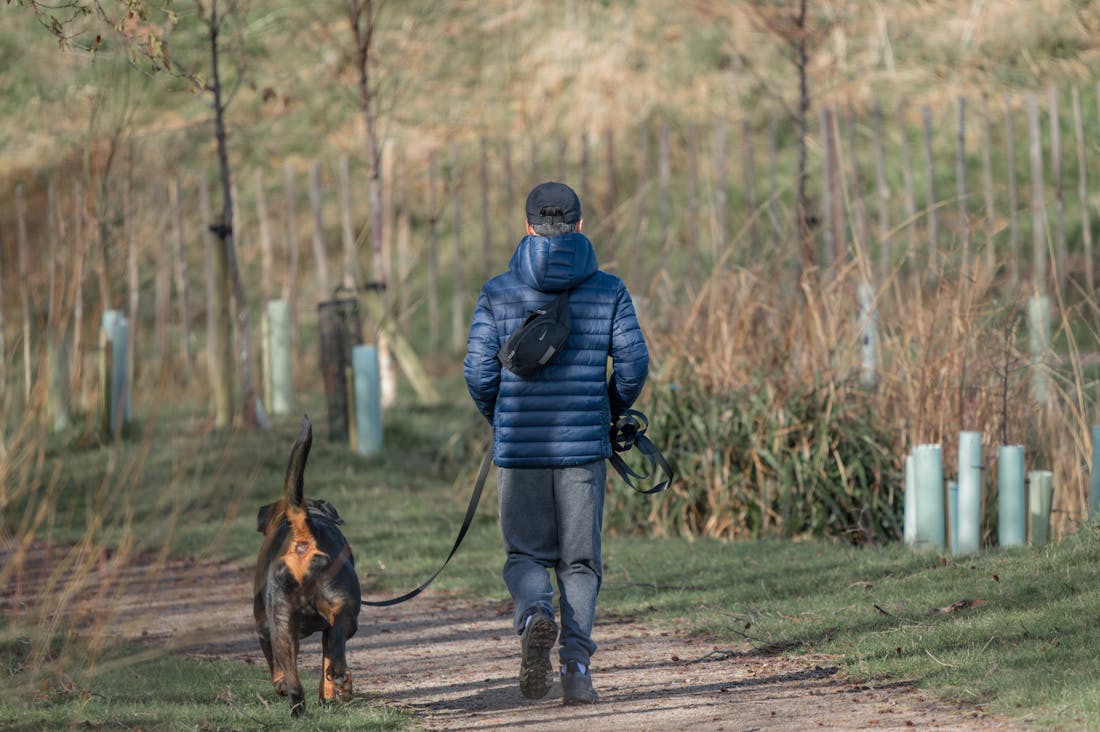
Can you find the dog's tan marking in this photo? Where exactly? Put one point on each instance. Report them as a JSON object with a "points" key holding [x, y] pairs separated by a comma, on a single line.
{"points": [[328, 610], [302, 545], [328, 689]]}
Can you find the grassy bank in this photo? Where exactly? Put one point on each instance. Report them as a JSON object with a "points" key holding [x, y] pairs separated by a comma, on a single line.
{"points": [[1011, 631]]}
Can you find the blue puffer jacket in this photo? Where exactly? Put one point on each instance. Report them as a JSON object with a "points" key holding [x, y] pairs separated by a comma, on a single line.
{"points": [[559, 416]]}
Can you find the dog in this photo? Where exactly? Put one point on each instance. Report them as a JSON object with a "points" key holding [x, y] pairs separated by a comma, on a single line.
{"points": [[305, 582]]}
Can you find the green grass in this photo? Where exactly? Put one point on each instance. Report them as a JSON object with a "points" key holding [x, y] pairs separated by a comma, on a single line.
{"points": [[172, 692], [1028, 650]]}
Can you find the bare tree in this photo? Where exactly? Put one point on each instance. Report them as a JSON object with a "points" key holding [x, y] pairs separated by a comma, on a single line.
{"points": [[252, 409], [363, 17], [73, 22]]}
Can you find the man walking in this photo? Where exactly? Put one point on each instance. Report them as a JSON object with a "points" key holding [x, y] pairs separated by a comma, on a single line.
{"points": [[551, 432]]}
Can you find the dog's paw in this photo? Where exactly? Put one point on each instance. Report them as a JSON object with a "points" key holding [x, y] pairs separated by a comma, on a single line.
{"points": [[279, 682], [342, 686]]}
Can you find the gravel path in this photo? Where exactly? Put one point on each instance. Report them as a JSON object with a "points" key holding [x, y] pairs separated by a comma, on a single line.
{"points": [[454, 663]]}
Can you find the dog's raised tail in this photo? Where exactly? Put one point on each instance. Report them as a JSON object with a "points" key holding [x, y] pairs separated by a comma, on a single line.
{"points": [[295, 470]]}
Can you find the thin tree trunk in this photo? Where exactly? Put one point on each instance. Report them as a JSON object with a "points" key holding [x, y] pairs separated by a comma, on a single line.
{"points": [[611, 194], [180, 270], [886, 243], [773, 178], [910, 192], [218, 340], [486, 230], [749, 167], [404, 241], [664, 175], [264, 226], [585, 189], [320, 253], [80, 246], [57, 346], [858, 208], [458, 293], [163, 283], [806, 258], [1038, 207], [989, 259], [509, 176], [24, 287], [1083, 191], [253, 410], [930, 183], [133, 282], [363, 34], [1060, 249], [1013, 199], [433, 253], [720, 203], [693, 190], [290, 285], [960, 182], [641, 193], [347, 233]]}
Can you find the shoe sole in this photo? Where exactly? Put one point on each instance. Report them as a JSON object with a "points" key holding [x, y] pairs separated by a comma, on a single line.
{"points": [[536, 675]]}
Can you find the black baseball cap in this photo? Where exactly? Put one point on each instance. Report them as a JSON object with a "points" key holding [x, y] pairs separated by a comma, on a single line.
{"points": [[553, 203]]}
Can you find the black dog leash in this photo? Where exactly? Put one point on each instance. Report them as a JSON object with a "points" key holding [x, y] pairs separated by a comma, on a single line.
{"points": [[471, 509], [627, 432]]}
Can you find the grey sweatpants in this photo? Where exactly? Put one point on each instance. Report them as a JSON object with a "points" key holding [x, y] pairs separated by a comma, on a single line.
{"points": [[552, 518]]}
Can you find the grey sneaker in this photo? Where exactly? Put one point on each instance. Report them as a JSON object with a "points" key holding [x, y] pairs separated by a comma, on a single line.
{"points": [[576, 685], [536, 675]]}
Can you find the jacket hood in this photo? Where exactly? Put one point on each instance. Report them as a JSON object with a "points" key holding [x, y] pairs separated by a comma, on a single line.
{"points": [[553, 264]]}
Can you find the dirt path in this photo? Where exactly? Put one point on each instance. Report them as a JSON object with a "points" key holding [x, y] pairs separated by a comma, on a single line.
{"points": [[453, 663]]}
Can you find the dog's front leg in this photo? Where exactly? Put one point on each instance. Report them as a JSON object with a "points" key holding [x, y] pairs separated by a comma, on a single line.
{"points": [[335, 676]]}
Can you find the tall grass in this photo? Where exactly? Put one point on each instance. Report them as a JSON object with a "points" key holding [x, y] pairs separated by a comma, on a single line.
{"points": [[758, 395]]}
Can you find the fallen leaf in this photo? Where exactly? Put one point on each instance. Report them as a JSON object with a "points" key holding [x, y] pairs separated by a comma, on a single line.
{"points": [[957, 606]]}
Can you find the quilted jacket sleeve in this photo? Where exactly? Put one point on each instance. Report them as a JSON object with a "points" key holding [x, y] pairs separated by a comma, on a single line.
{"points": [[481, 367], [629, 355]]}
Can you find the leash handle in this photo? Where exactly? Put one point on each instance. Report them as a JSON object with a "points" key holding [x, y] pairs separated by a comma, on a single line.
{"points": [[627, 432], [471, 509]]}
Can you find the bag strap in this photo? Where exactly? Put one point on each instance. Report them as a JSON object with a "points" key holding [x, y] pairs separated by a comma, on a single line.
{"points": [[627, 432], [471, 509]]}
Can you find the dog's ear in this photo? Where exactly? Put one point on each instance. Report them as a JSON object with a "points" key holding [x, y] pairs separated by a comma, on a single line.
{"points": [[325, 509], [263, 517]]}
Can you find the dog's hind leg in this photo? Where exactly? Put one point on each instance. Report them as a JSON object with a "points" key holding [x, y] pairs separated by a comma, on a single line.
{"points": [[285, 655]]}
